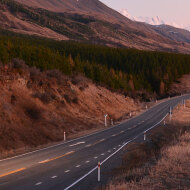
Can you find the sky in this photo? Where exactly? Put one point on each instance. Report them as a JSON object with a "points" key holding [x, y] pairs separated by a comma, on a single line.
{"points": [[177, 11]]}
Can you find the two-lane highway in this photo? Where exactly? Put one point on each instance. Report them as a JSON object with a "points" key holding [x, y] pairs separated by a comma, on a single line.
{"points": [[62, 166]]}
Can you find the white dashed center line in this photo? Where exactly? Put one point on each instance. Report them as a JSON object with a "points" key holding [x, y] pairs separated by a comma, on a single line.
{"points": [[113, 135], [67, 171], [77, 166], [53, 177], [102, 154], [39, 183], [95, 157], [77, 144], [87, 161]]}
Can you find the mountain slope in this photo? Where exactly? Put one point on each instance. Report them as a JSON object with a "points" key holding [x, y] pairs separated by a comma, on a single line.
{"points": [[86, 21], [173, 33], [93, 7]]}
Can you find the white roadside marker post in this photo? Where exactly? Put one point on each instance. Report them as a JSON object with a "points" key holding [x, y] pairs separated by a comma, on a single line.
{"points": [[64, 136], [111, 121], [130, 114], [184, 104], [164, 122], [144, 136], [170, 114], [105, 116], [146, 107], [98, 171], [156, 101]]}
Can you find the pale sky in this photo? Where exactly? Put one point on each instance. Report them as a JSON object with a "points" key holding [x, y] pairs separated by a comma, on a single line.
{"points": [[177, 11]]}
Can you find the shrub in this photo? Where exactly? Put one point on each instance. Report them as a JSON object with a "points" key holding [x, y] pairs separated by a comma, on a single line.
{"points": [[35, 74], [13, 99], [75, 100], [67, 98], [33, 112], [46, 98], [19, 64], [81, 88]]}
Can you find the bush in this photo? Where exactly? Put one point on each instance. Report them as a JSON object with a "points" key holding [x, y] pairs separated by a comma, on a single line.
{"points": [[13, 99], [33, 112], [67, 98], [19, 64], [75, 100], [35, 74]]}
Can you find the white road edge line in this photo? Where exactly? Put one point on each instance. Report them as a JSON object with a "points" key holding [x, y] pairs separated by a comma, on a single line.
{"points": [[84, 176]]}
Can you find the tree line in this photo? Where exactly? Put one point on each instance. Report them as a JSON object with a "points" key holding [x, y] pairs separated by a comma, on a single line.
{"points": [[117, 68]]}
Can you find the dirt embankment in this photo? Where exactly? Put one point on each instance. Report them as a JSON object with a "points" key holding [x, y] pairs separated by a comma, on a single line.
{"points": [[160, 163], [181, 86], [37, 107]]}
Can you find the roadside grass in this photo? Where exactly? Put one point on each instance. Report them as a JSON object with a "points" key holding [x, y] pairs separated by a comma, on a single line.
{"points": [[162, 162]]}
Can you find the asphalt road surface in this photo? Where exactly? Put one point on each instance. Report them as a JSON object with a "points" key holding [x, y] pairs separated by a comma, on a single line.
{"points": [[73, 164]]}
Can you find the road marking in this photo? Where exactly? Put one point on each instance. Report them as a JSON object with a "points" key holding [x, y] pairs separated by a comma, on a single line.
{"points": [[109, 150], [77, 143], [87, 161], [67, 171], [95, 157], [102, 154], [49, 160], [117, 134], [114, 148], [92, 170], [12, 172], [78, 166], [89, 145], [39, 183], [53, 177], [97, 142]]}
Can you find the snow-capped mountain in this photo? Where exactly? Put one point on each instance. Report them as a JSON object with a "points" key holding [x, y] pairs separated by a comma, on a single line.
{"points": [[152, 21]]}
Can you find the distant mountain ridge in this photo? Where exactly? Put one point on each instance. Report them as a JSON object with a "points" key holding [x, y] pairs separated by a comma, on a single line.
{"points": [[87, 21]]}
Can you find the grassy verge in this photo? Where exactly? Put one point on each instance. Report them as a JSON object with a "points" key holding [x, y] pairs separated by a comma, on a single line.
{"points": [[162, 162]]}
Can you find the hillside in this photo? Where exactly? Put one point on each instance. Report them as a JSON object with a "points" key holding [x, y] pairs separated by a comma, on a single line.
{"points": [[130, 71], [84, 21], [37, 107]]}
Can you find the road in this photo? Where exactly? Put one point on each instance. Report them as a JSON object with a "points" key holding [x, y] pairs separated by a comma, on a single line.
{"points": [[67, 165]]}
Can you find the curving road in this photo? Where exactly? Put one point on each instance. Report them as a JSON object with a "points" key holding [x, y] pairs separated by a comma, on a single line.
{"points": [[68, 165]]}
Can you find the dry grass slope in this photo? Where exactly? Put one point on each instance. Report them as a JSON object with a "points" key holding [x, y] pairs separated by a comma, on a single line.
{"points": [[37, 107]]}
